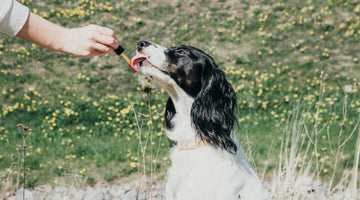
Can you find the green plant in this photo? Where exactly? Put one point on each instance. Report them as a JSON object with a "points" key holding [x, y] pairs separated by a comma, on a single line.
{"points": [[304, 156]]}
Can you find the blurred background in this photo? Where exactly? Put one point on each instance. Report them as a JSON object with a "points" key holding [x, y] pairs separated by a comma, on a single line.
{"points": [[294, 66]]}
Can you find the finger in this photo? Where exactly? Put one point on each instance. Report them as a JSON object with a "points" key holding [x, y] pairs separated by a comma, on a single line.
{"points": [[105, 31], [97, 53], [102, 48], [108, 41]]}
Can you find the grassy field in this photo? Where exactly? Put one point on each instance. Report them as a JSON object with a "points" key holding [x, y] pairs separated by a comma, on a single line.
{"points": [[88, 115]]}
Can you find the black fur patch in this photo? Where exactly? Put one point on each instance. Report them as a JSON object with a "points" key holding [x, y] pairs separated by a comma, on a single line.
{"points": [[213, 111]]}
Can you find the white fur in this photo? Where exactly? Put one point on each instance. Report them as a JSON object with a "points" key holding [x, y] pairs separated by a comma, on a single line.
{"points": [[211, 174], [204, 173]]}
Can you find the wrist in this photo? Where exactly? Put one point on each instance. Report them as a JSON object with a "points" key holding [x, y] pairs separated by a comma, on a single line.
{"points": [[60, 40]]}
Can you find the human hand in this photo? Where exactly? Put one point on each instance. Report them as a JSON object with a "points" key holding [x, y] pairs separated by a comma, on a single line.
{"points": [[91, 40]]}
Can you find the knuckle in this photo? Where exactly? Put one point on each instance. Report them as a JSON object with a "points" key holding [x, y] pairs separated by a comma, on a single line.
{"points": [[106, 49], [93, 36], [112, 41]]}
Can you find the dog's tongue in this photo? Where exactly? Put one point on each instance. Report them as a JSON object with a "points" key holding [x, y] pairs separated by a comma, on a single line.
{"points": [[135, 62]]}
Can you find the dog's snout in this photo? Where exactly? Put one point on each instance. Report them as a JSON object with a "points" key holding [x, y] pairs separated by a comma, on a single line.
{"points": [[142, 44]]}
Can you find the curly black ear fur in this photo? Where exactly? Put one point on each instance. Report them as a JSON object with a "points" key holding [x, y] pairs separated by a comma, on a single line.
{"points": [[213, 109]]}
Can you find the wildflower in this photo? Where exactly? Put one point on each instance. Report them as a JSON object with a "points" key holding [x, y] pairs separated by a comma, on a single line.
{"points": [[82, 171], [287, 98], [133, 164]]}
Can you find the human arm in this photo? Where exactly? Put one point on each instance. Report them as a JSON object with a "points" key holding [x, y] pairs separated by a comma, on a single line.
{"points": [[87, 41]]}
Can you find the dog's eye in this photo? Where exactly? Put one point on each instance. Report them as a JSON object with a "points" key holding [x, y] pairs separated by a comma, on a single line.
{"points": [[181, 51]]}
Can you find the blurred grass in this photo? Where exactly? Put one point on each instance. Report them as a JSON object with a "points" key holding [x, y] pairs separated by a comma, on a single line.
{"points": [[79, 108]]}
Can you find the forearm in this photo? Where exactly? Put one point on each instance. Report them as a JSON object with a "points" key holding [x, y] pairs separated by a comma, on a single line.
{"points": [[42, 32]]}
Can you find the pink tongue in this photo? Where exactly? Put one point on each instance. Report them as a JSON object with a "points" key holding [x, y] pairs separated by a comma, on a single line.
{"points": [[135, 62]]}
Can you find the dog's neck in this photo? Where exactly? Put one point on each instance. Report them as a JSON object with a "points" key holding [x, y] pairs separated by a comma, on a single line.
{"points": [[183, 131]]}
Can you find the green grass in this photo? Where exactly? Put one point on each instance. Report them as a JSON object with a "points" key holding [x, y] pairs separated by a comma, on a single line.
{"points": [[80, 111]]}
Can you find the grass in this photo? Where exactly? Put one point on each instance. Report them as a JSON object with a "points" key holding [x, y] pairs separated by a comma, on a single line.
{"points": [[305, 161], [81, 110]]}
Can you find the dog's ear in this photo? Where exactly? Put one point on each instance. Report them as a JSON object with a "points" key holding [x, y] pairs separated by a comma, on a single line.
{"points": [[213, 109]]}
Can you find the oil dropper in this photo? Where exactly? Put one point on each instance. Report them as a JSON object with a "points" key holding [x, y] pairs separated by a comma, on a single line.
{"points": [[120, 51]]}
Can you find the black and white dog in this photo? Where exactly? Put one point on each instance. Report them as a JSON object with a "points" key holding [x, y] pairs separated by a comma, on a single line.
{"points": [[207, 162]]}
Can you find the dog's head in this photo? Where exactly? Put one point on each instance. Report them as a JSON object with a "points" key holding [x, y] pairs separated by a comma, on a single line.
{"points": [[198, 76]]}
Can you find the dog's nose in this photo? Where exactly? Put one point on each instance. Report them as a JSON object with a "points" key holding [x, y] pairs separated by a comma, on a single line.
{"points": [[142, 44]]}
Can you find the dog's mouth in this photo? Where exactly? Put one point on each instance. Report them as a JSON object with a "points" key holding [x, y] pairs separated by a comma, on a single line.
{"points": [[141, 60], [137, 61]]}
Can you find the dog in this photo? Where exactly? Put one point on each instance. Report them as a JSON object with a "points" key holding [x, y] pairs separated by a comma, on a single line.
{"points": [[206, 161]]}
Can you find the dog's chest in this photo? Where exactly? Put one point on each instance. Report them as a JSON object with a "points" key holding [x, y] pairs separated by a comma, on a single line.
{"points": [[201, 172]]}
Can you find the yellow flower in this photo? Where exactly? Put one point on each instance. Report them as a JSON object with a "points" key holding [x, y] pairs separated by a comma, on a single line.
{"points": [[287, 98], [149, 123], [82, 171], [133, 164]]}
